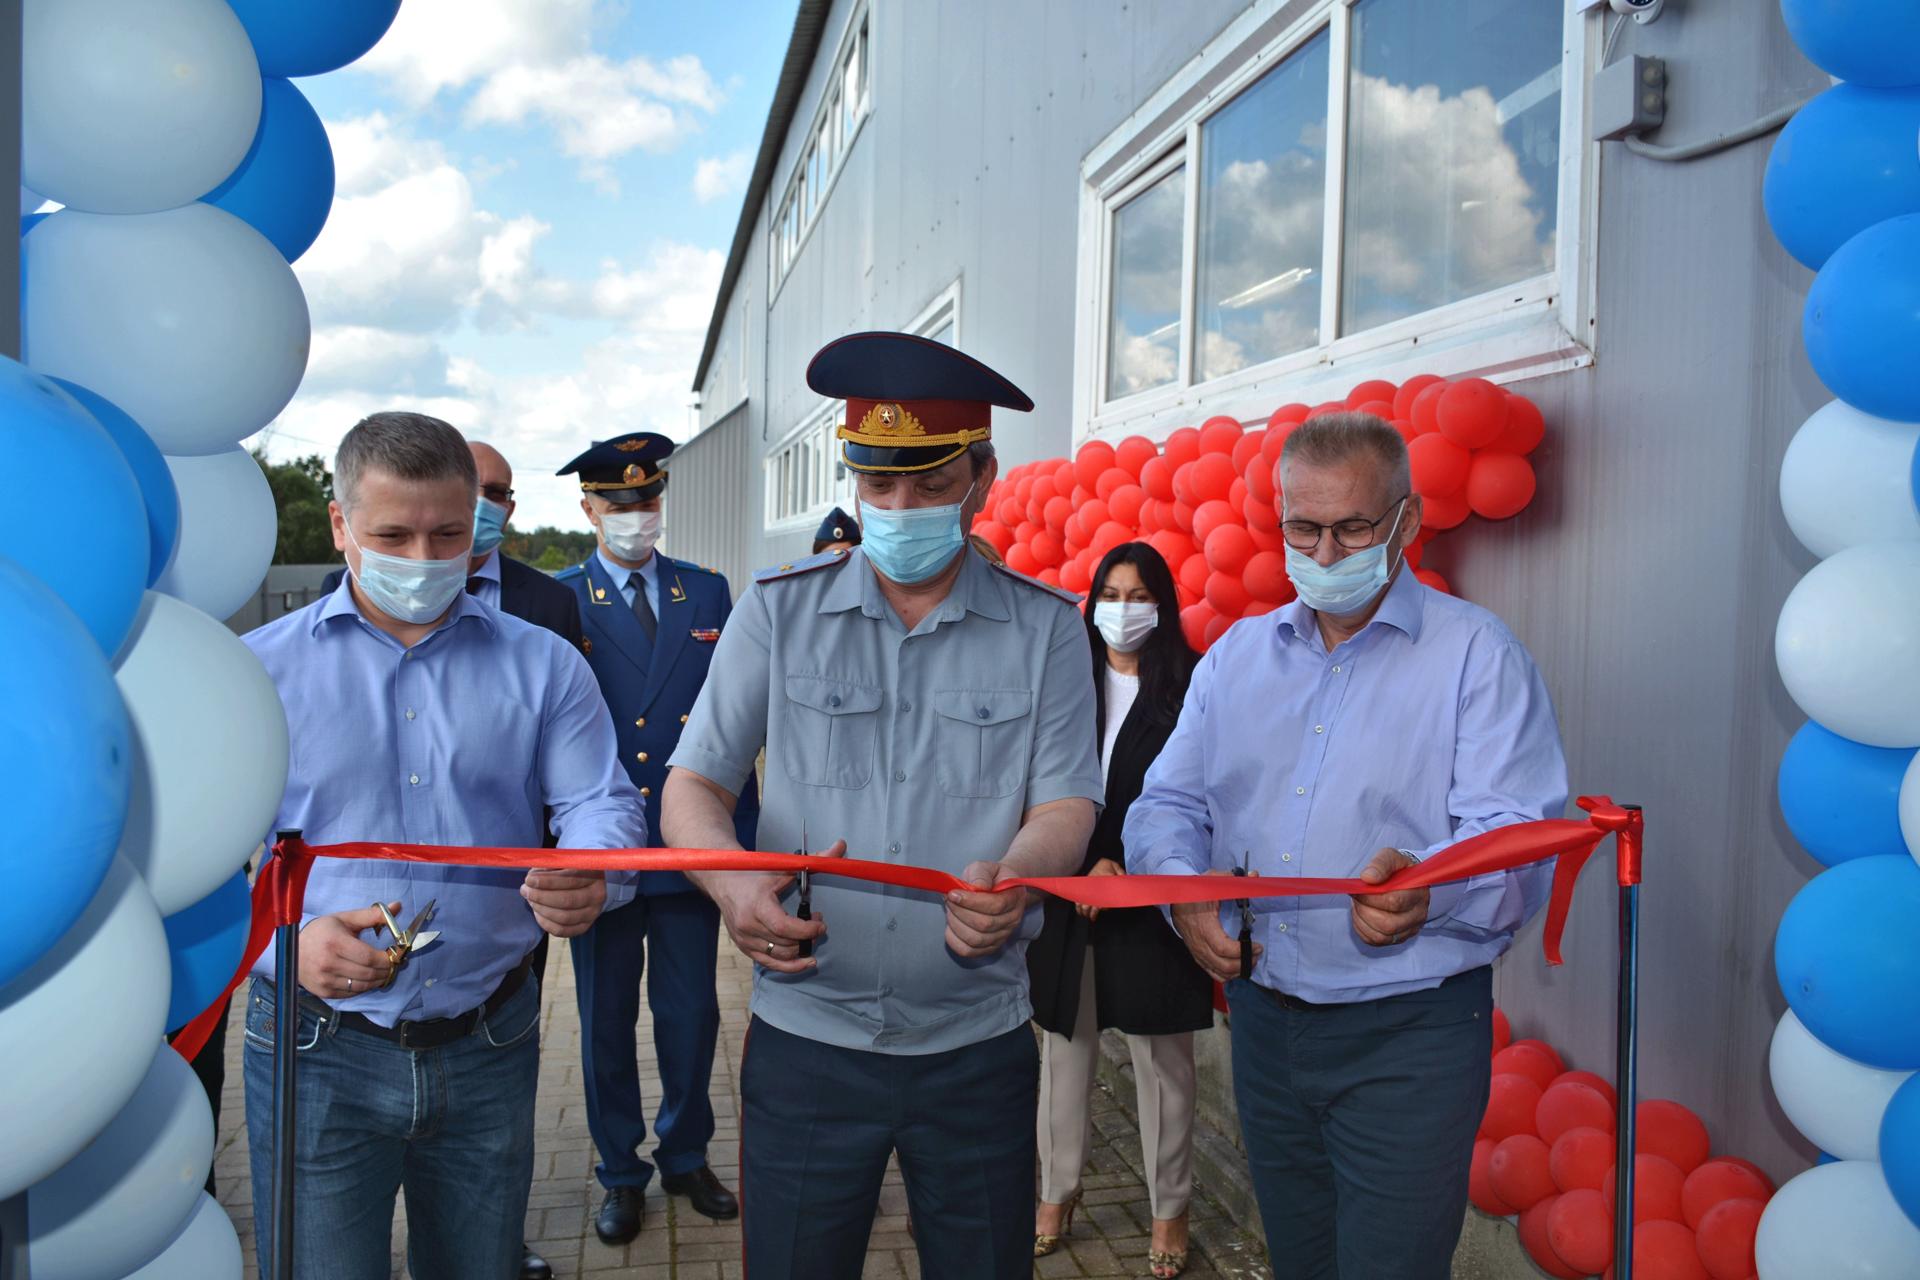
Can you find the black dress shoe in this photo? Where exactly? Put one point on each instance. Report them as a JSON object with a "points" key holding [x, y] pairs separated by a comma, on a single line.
{"points": [[533, 1266], [704, 1191], [619, 1218]]}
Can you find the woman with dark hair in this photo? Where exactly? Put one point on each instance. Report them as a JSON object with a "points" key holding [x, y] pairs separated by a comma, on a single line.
{"points": [[1091, 969]]}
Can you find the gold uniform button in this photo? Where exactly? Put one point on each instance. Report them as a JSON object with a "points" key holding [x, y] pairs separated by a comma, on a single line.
{"points": [[641, 723], [683, 719], [645, 792], [643, 757]]}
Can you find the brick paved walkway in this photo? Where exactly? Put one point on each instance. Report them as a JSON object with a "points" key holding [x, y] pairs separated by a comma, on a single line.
{"points": [[1109, 1235]]}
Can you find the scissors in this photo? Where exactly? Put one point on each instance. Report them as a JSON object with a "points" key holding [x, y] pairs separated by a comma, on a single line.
{"points": [[1246, 923], [805, 910], [407, 941]]}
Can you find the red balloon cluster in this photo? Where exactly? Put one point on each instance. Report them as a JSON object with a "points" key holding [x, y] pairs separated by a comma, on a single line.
{"points": [[1546, 1154], [1208, 499]]}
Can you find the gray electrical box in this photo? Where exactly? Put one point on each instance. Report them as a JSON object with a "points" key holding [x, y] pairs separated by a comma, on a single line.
{"points": [[1629, 98]]}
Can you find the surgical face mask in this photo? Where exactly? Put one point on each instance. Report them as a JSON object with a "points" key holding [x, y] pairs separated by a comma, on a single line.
{"points": [[413, 591], [631, 535], [1345, 586], [489, 525], [912, 545], [1124, 626]]}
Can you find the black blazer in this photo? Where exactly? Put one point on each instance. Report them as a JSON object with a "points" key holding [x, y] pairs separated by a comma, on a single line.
{"points": [[526, 593], [1144, 981]]}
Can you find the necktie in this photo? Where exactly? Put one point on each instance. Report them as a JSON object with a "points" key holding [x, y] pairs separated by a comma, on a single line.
{"points": [[642, 607], [473, 584]]}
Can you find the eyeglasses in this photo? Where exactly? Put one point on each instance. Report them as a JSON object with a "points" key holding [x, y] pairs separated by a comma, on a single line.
{"points": [[1353, 535], [497, 493]]}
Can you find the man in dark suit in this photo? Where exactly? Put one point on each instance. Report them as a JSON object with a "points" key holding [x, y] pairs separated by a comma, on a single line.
{"points": [[651, 624], [502, 582]]}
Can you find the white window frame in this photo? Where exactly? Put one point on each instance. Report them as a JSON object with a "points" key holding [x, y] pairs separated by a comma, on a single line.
{"points": [[804, 478], [1534, 327], [829, 139], [944, 307]]}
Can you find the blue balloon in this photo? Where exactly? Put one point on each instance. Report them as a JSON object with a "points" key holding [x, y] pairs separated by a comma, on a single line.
{"points": [[1900, 1147], [308, 39], [66, 752], [1873, 42], [1916, 475], [1846, 161], [208, 941], [284, 187], [53, 453], [1847, 963], [1862, 320], [28, 221], [149, 468], [1841, 798], [1827, 1159]]}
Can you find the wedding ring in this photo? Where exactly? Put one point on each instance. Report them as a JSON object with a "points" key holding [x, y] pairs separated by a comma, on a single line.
{"points": [[349, 986], [769, 946]]}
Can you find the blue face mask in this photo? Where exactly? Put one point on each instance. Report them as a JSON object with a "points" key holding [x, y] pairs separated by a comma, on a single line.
{"points": [[415, 591], [489, 525], [912, 545], [1345, 586]]}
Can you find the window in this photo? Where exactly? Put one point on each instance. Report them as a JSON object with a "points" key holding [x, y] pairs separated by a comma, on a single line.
{"points": [[845, 104], [1336, 184], [804, 476], [940, 319]]}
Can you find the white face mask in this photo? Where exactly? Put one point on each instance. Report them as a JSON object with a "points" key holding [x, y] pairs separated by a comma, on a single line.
{"points": [[415, 591], [1125, 627], [631, 535]]}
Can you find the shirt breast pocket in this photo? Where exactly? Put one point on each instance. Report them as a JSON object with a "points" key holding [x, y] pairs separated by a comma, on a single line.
{"points": [[985, 736], [830, 731]]}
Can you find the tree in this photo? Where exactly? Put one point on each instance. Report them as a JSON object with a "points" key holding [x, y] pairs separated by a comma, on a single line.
{"points": [[549, 548], [301, 491]]}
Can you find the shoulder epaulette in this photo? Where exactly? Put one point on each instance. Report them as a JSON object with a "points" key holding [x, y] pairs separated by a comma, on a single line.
{"points": [[824, 560], [571, 571], [698, 568], [1059, 593]]}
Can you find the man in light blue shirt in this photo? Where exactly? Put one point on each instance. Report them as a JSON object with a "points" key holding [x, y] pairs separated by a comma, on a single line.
{"points": [[1368, 724], [418, 714]]}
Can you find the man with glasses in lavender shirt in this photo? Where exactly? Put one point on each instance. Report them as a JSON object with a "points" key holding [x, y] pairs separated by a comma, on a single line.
{"points": [[420, 714], [1365, 726]]}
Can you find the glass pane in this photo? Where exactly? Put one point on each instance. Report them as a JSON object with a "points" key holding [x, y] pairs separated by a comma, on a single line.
{"points": [[1262, 201], [1453, 153], [943, 332], [1143, 320]]}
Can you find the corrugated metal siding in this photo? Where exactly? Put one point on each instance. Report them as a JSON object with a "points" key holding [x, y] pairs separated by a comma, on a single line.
{"points": [[713, 500]]}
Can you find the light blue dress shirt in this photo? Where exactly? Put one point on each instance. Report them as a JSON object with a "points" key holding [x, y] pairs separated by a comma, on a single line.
{"points": [[1429, 726], [459, 740], [488, 591], [649, 577]]}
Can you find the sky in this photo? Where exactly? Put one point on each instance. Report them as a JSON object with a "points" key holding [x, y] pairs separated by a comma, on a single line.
{"points": [[534, 202]]}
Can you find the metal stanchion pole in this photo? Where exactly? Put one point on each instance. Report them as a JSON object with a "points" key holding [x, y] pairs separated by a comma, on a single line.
{"points": [[1626, 1038], [286, 1039]]}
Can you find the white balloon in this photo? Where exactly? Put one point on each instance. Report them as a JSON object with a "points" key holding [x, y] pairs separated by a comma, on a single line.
{"points": [[118, 1203], [227, 530], [1848, 643], [206, 1249], [30, 201], [210, 748], [1847, 480], [1910, 808], [78, 1029], [1831, 1099], [1836, 1222], [131, 106], [190, 320]]}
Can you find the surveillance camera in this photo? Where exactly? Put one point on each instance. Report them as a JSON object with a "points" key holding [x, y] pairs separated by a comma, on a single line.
{"points": [[1642, 10]]}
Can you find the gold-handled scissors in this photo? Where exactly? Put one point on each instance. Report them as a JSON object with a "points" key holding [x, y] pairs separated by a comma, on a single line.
{"points": [[805, 911], [406, 941]]}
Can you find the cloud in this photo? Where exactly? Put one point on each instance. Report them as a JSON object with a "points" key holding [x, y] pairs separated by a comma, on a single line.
{"points": [[718, 176], [435, 46]]}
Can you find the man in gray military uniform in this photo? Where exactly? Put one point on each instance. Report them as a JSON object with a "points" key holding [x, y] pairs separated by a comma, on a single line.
{"points": [[917, 705]]}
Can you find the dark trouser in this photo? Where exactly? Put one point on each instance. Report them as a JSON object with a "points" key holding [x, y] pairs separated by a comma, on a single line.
{"points": [[680, 933], [818, 1123], [211, 1068], [1359, 1123]]}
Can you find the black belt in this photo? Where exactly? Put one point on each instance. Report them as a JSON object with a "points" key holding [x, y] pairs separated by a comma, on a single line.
{"points": [[1297, 1005], [428, 1033]]}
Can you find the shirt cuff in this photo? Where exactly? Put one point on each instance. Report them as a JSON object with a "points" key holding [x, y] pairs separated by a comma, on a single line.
{"points": [[1069, 787], [711, 766]]}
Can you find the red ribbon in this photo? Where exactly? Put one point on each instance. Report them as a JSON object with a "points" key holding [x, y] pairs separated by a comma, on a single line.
{"points": [[282, 884]]}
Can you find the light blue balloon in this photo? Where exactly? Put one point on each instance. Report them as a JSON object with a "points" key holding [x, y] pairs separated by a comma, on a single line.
{"points": [[66, 752], [207, 941], [1841, 798], [308, 39], [1900, 1147], [1847, 963], [52, 455], [150, 468], [1845, 161], [1862, 319], [284, 187], [1872, 42]]}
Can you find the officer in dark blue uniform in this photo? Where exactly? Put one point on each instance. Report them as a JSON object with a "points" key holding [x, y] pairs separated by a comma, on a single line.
{"points": [[838, 532], [651, 625]]}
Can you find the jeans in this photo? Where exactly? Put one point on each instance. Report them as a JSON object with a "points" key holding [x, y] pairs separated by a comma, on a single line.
{"points": [[451, 1126], [1359, 1122], [818, 1123]]}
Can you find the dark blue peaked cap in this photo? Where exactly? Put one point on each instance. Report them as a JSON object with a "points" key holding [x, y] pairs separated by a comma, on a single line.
{"points": [[623, 469]]}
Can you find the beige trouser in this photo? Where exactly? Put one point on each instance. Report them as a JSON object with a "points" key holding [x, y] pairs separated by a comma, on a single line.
{"points": [[1164, 1082]]}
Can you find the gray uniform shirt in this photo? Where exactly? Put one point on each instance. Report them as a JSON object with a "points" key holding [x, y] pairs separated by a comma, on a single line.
{"points": [[925, 748]]}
